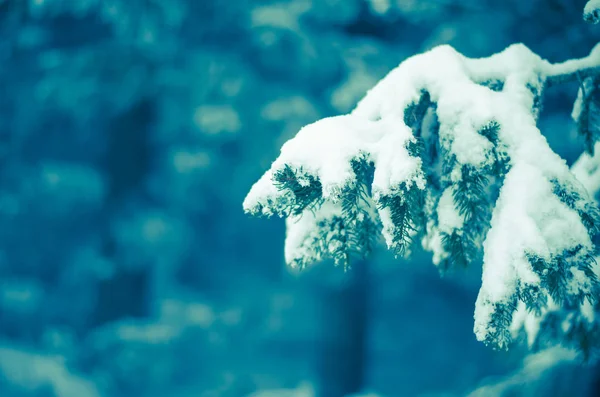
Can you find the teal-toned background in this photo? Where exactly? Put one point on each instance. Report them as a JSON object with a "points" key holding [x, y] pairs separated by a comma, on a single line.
{"points": [[130, 132]]}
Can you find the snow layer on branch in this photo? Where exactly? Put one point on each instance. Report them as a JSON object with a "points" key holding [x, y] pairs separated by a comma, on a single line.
{"points": [[265, 199], [591, 12], [448, 217], [325, 149], [464, 106], [574, 69], [470, 95], [529, 218], [308, 234]]}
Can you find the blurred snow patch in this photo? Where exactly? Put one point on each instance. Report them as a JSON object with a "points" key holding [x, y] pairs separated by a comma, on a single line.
{"points": [[148, 333], [23, 296], [380, 7], [200, 314], [275, 17], [33, 371], [186, 161], [305, 389], [231, 316], [352, 90], [536, 374], [152, 238], [217, 119], [284, 108], [71, 184]]}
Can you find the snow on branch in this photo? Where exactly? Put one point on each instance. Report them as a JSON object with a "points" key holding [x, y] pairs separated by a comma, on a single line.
{"points": [[574, 69], [591, 12], [445, 150]]}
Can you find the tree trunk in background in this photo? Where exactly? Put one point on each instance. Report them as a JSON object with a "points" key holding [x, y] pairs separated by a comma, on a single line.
{"points": [[126, 293], [342, 358]]}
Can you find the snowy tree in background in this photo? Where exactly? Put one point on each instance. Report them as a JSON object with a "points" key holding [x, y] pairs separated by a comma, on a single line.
{"points": [[446, 151]]}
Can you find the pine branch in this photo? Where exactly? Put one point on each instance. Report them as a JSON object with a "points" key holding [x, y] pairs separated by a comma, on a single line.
{"points": [[574, 69], [446, 149]]}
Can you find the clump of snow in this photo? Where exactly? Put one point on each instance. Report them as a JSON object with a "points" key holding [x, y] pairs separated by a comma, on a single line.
{"points": [[264, 198], [578, 105], [304, 231], [591, 12], [587, 170], [448, 216], [524, 319], [528, 218]]}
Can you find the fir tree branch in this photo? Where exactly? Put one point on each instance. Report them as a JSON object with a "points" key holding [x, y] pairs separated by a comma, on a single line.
{"points": [[470, 126], [574, 69]]}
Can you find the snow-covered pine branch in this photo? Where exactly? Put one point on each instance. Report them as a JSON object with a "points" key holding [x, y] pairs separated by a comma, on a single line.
{"points": [[445, 150], [575, 327], [591, 12]]}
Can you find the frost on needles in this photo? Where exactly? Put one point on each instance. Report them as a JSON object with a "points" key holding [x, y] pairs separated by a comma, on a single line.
{"points": [[445, 151]]}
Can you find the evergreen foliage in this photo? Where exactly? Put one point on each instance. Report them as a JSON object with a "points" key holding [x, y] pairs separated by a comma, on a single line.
{"points": [[304, 188], [406, 215], [469, 176], [588, 112]]}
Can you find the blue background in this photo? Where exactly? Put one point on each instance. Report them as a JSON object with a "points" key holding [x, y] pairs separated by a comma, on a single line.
{"points": [[130, 132]]}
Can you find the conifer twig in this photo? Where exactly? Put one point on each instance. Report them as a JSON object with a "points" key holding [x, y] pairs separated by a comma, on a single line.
{"points": [[574, 69]]}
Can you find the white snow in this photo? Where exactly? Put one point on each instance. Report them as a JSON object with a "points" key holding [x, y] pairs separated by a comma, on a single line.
{"points": [[325, 149], [587, 170], [524, 319], [302, 233], [448, 216], [578, 105], [587, 310], [265, 198], [574, 65], [529, 219], [591, 12]]}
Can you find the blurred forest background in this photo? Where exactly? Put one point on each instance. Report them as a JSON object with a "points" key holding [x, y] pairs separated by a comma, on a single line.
{"points": [[130, 132]]}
